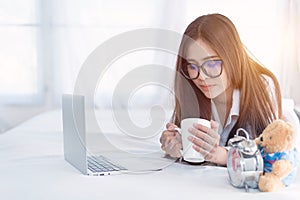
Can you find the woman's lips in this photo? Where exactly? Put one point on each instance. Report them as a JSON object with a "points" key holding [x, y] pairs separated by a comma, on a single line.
{"points": [[206, 87]]}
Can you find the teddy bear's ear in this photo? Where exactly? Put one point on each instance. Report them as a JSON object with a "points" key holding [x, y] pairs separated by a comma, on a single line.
{"points": [[258, 140], [291, 141], [291, 138]]}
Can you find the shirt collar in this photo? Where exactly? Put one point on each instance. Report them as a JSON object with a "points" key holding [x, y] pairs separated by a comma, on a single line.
{"points": [[235, 108]]}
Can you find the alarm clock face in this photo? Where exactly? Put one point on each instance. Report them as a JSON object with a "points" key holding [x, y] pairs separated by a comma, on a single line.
{"points": [[235, 168]]}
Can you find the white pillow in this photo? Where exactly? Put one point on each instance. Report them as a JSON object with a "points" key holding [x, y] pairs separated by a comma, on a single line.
{"points": [[290, 115]]}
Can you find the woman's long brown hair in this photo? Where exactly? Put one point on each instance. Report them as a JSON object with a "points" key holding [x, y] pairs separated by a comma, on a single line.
{"points": [[257, 108]]}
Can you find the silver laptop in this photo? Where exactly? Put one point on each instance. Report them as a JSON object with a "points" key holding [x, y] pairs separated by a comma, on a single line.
{"points": [[74, 137]]}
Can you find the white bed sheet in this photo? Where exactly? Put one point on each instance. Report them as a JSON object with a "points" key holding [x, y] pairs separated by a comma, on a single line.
{"points": [[32, 167]]}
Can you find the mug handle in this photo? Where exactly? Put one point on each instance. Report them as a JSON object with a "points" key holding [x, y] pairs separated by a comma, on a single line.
{"points": [[178, 130]]}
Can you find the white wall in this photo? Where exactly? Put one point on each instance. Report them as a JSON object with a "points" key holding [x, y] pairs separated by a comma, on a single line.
{"points": [[45, 42]]}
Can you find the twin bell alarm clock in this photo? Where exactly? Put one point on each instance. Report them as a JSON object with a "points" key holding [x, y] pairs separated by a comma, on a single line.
{"points": [[244, 161]]}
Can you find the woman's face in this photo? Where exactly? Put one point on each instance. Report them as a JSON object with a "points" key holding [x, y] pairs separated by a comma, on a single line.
{"points": [[198, 53]]}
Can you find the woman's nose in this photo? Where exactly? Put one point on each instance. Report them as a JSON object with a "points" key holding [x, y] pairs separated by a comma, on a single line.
{"points": [[202, 75]]}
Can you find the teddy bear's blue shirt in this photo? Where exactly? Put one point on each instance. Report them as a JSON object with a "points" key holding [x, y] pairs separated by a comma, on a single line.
{"points": [[291, 156]]}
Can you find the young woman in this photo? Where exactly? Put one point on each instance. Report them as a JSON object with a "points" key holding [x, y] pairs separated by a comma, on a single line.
{"points": [[218, 80]]}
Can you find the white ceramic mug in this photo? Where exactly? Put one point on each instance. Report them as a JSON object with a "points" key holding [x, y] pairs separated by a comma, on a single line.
{"points": [[189, 153]]}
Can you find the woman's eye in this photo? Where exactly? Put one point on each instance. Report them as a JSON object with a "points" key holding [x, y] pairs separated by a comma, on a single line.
{"points": [[193, 67], [210, 64]]}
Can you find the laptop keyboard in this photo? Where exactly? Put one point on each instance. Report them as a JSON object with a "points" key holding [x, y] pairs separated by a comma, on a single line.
{"points": [[101, 164]]}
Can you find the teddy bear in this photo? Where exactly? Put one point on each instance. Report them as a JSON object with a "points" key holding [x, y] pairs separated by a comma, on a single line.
{"points": [[277, 146]]}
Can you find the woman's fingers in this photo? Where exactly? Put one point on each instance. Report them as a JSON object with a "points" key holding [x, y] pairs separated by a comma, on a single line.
{"points": [[205, 139], [213, 132], [165, 135], [200, 143], [171, 141], [168, 134], [205, 132], [173, 148], [210, 137], [214, 125], [171, 126]]}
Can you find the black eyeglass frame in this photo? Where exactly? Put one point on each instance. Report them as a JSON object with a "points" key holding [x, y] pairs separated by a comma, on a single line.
{"points": [[202, 69]]}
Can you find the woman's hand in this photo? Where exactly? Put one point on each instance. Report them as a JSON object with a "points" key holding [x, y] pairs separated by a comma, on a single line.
{"points": [[206, 141], [171, 141]]}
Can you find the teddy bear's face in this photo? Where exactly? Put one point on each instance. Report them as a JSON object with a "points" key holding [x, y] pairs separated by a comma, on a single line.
{"points": [[277, 137]]}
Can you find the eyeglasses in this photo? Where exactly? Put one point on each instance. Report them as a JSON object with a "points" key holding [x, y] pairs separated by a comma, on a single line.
{"points": [[211, 68]]}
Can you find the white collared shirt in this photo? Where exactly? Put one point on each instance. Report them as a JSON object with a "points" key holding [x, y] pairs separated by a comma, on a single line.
{"points": [[287, 110], [232, 117]]}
